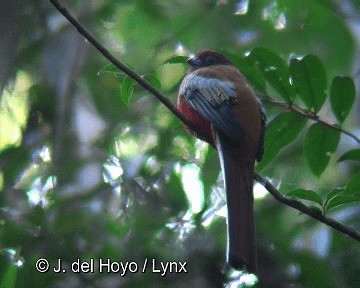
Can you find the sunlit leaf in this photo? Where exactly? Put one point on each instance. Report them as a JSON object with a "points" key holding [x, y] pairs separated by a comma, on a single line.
{"points": [[281, 131], [127, 89], [308, 195], [309, 78], [342, 96], [275, 72], [320, 142], [353, 154]]}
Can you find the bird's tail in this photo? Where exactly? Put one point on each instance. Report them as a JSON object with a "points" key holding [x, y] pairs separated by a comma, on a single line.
{"points": [[238, 176]]}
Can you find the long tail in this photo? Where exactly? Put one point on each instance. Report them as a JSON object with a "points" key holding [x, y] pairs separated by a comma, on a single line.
{"points": [[238, 176]]}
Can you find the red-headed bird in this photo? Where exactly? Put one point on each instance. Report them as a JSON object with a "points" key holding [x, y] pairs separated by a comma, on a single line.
{"points": [[221, 105]]}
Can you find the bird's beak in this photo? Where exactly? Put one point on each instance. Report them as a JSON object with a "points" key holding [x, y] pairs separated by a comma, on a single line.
{"points": [[194, 61]]}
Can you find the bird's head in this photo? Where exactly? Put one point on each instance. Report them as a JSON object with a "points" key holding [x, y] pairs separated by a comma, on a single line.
{"points": [[207, 58]]}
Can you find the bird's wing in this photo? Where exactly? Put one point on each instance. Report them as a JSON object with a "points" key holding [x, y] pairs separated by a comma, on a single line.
{"points": [[213, 99]]}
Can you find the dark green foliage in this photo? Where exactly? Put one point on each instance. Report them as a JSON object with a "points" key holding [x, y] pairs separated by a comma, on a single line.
{"points": [[59, 93], [308, 195], [353, 185], [341, 200], [320, 143], [342, 96], [275, 71], [353, 154], [127, 89], [309, 79], [281, 131], [9, 278], [250, 70]]}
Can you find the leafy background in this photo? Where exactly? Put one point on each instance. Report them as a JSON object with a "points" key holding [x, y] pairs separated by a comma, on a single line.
{"points": [[93, 166]]}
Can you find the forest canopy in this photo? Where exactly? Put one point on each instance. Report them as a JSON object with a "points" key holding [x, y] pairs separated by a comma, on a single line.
{"points": [[94, 167]]}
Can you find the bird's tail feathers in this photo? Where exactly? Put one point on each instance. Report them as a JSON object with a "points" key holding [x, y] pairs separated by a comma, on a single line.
{"points": [[238, 176]]}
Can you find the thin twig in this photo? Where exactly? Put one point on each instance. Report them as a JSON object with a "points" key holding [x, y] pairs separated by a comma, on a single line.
{"points": [[272, 190], [308, 114]]}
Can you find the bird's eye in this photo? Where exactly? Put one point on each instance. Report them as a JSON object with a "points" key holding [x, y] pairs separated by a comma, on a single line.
{"points": [[210, 60]]}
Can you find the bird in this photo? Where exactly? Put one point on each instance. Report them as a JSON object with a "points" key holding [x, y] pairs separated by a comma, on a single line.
{"points": [[224, 112]]}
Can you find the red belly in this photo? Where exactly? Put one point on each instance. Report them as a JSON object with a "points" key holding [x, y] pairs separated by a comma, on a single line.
{"points": [[202, 125]]}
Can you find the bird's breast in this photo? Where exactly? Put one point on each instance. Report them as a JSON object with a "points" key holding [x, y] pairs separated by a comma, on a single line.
{"points": [[202, 125]]}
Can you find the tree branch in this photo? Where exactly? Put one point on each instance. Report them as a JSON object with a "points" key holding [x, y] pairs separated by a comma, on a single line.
{"points": [[305, 209], [307, 114], [272, 190]]}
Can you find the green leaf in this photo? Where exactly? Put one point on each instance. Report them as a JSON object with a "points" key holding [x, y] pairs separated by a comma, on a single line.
{"points": [[308, 195], [210, 173], [112, 69], [176, 60], [275, 72], [341, 200], [342, 96], [311, 267], [309, 78], [153, 80], [317, 208], [175, 192], [9, 279], [281, 131], [250, 71], [113, 227], [266, 58], [320, 142], [334, 193], [353, 154], [353, 185], [127, 89]]}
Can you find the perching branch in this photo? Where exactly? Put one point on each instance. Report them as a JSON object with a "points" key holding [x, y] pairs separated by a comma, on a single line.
{"points": [[272, 190]]}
